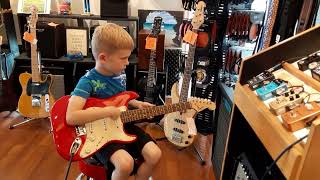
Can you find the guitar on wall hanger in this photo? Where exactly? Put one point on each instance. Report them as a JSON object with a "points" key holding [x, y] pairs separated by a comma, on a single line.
{"points": [[36, 99], [179, 127], [151, 91], [87, 139]]}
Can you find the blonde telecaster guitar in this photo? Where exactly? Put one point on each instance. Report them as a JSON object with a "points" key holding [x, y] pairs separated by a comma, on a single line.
{"points": [[36, 99], [179, 127]]}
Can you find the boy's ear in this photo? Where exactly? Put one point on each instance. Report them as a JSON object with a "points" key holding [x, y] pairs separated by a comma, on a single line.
{"points": [[103, 56]]}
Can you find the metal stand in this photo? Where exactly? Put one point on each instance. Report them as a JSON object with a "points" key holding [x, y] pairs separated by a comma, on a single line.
{"points": [[163, 138], [202, 161], [26, 120]]}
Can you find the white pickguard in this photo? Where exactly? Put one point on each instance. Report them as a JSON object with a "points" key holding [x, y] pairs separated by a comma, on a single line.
{"points": [[101, 132]]}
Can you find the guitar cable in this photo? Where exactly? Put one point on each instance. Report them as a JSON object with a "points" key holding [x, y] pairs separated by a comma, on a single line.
{"points": [[280, 155], [73, 149]]}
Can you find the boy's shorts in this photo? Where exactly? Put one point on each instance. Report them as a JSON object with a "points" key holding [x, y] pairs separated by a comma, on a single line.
{"points": [[134, 148]]}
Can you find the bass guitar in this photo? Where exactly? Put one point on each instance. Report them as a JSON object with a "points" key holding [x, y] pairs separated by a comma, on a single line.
{"points": [[36, 99], [85, 140], [177, 126]]}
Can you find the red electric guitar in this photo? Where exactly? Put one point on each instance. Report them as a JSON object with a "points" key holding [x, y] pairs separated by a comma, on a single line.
{"points": [[86, 140]]}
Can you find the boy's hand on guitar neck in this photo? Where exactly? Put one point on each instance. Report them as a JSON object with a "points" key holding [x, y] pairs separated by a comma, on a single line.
{"points": [[140, 104]]}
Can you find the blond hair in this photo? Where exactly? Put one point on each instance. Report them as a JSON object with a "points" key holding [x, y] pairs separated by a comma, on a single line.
{"points": [[109, 38]]}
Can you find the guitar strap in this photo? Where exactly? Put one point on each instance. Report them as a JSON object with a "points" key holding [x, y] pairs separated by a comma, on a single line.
{"points": [[304, 15]]}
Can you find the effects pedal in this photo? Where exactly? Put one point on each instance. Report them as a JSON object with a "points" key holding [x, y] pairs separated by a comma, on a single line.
{"points": [[313, 65], [260, 80], [268, 91], [301, 116], [304, 62], [288, 100], [315, 73]]}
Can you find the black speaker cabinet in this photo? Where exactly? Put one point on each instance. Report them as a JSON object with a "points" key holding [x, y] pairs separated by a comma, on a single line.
{"points": [[51, 40], [116, 8]]}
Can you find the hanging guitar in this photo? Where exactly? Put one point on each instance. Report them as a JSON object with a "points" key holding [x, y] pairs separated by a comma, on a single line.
{"points": [[36, 99], [150, 91], [88, 139], [179, 128]]}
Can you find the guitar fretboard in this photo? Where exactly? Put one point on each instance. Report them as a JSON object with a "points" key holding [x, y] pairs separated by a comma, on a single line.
{"points": [[137, 114], [35, 66], [187, 73]]}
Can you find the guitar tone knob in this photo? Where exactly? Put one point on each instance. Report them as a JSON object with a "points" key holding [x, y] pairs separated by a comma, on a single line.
{"points": [[87, 151], [309, 106]]}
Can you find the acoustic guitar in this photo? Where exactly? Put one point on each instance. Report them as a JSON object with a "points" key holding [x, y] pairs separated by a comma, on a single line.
{"points": [[36, 99], [85, 140]]}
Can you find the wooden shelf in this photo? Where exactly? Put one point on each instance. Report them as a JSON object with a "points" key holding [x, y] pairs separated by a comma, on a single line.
{"points": [[302, 160], [269, 129]]}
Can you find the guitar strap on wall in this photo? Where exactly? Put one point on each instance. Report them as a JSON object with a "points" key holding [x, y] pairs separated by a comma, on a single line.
{"points": [[305, 15]]}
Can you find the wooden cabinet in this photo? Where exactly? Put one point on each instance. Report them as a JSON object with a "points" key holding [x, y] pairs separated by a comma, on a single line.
{"points": [[253, 124]]}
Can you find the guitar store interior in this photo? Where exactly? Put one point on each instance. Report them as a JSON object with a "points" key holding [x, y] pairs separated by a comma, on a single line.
{"points": [[254, 70]]}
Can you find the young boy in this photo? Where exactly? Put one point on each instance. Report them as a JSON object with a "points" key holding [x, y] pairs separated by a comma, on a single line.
{"points": [[111, 47]]}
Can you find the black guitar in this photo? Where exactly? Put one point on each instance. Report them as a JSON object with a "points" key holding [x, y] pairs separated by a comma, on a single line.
{"points": [[150, 91]]}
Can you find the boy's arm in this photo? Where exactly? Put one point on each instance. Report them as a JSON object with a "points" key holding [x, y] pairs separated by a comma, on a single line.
{"points": [[77, 116], [139, 104]]}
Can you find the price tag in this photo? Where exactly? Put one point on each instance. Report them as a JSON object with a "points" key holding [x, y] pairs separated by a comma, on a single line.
{"points": [[191, 126], [29, 37], [190, 37], [151, 43]]}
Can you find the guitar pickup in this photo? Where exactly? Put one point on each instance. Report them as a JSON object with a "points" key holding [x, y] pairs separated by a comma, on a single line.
{"points": [[36, 100], [80, 131]]}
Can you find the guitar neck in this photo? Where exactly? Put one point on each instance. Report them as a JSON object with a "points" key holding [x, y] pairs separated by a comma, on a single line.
{"points": [[187, 72], [152, 69], [137, 114], [35, 66]]}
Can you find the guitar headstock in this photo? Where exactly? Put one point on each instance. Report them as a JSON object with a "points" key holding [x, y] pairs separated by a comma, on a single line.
{"points": [[200, 104], [156, 26], [33, 17], [198, 17]]}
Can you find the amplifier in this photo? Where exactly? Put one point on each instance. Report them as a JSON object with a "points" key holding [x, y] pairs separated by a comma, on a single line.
{"points": [[118, 8], [144, 54], [57, 88], [51, 40]]}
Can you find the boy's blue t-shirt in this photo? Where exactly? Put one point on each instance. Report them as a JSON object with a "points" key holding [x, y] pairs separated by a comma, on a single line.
{"points": [[94, 84]]}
